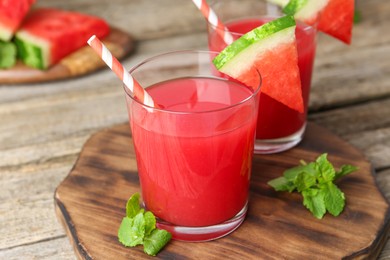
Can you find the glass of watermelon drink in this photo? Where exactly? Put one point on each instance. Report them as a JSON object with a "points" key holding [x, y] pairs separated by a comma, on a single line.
{"points": [[194, 150], [278, 127]]}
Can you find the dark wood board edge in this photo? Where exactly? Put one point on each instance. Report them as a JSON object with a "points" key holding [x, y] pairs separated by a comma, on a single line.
{"points": [[70, 230], [374, 250], [62, 213]]}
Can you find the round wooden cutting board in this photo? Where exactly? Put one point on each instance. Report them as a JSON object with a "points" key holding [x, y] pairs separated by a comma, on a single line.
{"points": [[91, 201], [80, 62]]}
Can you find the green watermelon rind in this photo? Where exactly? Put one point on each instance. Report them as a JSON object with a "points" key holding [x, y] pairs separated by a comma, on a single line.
{"points": [[272, 28], [7, 54], [32, 50], [294, 6], [5, 33], [305, 10]]}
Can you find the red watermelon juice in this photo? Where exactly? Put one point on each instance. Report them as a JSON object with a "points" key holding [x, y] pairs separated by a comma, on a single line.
{"points": [[194, 156], [275, 119]]}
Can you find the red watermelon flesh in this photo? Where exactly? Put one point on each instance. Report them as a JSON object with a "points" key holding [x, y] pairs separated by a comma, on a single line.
{"points": [[57, 33], [337, 19], [12, 13], [280, 75]]}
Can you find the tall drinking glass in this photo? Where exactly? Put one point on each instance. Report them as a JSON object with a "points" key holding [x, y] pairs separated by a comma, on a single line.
{"points": [[194, 151], [278, 127]]}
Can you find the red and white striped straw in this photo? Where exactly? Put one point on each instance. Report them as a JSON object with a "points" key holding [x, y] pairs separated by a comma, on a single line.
{"points": [[212, 18], [135, 88]]}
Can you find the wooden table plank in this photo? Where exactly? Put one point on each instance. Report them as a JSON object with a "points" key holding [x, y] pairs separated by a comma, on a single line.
{"points": [[27, 210], [56, 248], [367, 126], [342, 78], [43, 126]]}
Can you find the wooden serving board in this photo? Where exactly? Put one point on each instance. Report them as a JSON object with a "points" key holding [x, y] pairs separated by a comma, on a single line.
{"points": [[80, 62], [90, 203]]}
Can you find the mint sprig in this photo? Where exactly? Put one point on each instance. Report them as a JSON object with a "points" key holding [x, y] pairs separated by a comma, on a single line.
{"points": [[139, 228], [315, 181]]}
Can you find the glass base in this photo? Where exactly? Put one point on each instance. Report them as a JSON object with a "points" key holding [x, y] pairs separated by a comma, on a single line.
{"points": [[201, 234], [268, 146]]}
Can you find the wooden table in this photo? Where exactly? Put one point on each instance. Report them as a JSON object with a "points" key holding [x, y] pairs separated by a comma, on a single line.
{"points": [[44, 126]]}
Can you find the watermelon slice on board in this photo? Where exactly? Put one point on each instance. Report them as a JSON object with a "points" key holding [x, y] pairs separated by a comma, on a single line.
{"points": [[7, 55], [271, 50], [48, 35], [334, 17], [12, 13]]}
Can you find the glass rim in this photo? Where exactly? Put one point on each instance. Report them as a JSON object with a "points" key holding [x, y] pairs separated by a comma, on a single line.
{"points": [[305, 27], [181, 52]]}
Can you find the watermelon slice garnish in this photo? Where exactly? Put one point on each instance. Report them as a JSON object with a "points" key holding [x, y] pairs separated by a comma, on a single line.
{"points": [[48, 35], [306, 11], [337, 19], [12, 14], [271, 50], [333, 17]]}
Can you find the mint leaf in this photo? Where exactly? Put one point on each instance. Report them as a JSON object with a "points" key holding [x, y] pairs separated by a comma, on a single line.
{"points": [[292, 173], [150, 222], [325, 168], [311, 169], [344, 170], [282, 184], [313, 200], [124, 232], [304, 181], [334, 198], [139, 228], [156, 241], [315, 181], [131, 231], [132, 205]]}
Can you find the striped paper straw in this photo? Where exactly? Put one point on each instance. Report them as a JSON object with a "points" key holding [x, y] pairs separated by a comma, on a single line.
{"points": [[135, 88], [212, 18]]}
